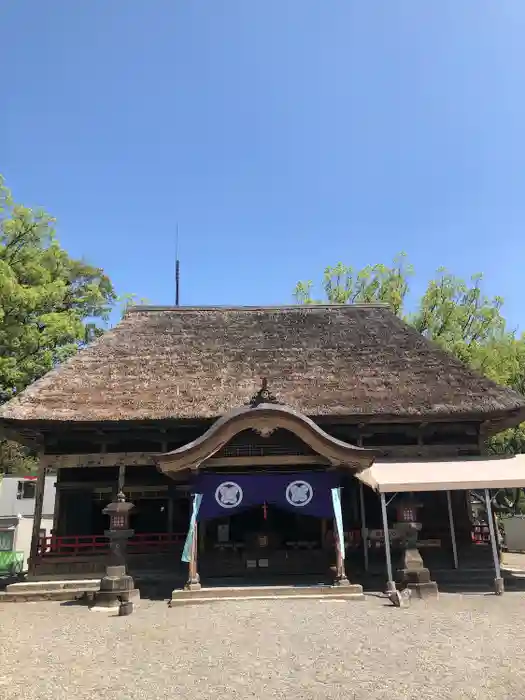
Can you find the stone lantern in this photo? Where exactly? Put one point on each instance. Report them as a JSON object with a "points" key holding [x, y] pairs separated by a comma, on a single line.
{"points": [[117, 589], [411, 570], [407, 511]]}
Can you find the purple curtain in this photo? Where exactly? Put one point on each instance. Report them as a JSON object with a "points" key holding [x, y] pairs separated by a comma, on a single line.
{"points": [[226, 494]]}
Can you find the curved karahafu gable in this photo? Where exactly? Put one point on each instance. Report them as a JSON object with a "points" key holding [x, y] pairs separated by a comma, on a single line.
{"points": [[264, 419]]}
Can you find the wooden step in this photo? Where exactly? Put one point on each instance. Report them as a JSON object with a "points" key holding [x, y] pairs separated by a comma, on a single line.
{"points": [[42, 595], [238, 593], [173, 603], [33, 591], [35, 586]]}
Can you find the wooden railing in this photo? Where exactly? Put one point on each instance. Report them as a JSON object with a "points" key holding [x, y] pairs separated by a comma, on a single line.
{"points": [[147, 542], [74, 545], [81, 545]]}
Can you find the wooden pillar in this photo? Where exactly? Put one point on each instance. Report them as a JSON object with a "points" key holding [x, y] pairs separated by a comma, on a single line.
{"points": [[202, 536], [37, 515], [194, 582], [324, 528], [121, 477], [194, 549], [341, 578], [364, 528], [390, 584], [170, 514], [56, 511], [339, 558]]}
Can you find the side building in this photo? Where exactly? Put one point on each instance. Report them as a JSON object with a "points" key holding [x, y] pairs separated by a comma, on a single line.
{"points": [[17, 508]]}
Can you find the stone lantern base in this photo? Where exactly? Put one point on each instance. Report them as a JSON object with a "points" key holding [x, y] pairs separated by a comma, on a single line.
{"points": [[411, 571], [116, 587], [419, 582]]}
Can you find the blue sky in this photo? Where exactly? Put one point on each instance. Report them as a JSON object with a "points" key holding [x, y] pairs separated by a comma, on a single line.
{"points": [[281, 135]]}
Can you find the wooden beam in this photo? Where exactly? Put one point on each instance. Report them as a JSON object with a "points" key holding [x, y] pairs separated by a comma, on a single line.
{"points": [[378, 419], [26, 437], [84, 486], [269, 461], [131, 459], [100, 459]]}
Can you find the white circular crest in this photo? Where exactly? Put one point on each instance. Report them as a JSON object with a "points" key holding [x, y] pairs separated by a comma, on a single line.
{"points": [[299, 493], [228, 494]]}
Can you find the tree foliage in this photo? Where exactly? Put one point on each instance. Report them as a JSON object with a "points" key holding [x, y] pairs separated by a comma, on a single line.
{"points": [[50, 303], [343, 284], [17, 459], [452, 312], [127, 300]]}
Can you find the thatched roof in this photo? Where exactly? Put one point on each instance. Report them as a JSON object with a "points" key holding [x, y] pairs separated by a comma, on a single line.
{"points": [[201, 362]]}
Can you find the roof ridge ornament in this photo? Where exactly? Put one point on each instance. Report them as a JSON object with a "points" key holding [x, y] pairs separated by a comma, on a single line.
{"points": [[264, 395]]}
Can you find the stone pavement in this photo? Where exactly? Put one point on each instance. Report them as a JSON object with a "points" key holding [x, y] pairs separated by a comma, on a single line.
{"points": [[456, 647]]}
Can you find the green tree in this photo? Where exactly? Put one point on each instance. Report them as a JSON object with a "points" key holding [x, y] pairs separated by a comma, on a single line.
{"points": [[460, 318], [343, 284], [50, 304], [16, 459], [127, 300], [453, 313]]}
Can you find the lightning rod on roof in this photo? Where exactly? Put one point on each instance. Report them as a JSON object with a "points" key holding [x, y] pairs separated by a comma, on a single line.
{"points": [[177, 268]]}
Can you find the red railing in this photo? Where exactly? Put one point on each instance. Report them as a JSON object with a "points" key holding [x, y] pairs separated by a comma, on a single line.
{"points": [[80, 545], [74, 545], [140, 543]]}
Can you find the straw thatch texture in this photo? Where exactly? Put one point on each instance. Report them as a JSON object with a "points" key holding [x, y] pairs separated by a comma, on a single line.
{"points": [[202, 362]]}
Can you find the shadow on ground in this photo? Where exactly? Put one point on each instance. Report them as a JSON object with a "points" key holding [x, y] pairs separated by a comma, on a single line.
{"points": [[9, 579]]}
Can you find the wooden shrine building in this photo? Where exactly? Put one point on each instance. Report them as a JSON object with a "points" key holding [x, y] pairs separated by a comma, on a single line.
{"points": [[260, 404]]}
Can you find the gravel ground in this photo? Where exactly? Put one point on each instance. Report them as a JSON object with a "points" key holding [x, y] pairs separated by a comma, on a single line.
{"points": [[458, 647]]}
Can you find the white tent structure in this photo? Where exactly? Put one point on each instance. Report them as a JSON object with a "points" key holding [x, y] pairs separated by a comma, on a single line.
{"points": [[465, 474], [462, 474]]}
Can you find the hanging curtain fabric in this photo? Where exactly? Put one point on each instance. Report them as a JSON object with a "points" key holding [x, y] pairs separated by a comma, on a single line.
{"points": [[188, 545], [338, 514], [306, 493]]}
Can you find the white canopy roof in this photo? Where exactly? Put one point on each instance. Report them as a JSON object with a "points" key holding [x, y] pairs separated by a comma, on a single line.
{"points": [[453, 475]]}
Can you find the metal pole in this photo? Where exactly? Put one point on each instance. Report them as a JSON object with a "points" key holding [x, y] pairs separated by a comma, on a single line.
{"points": [[452, 530], [364, 529], [498, 582], [390, 585]]}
